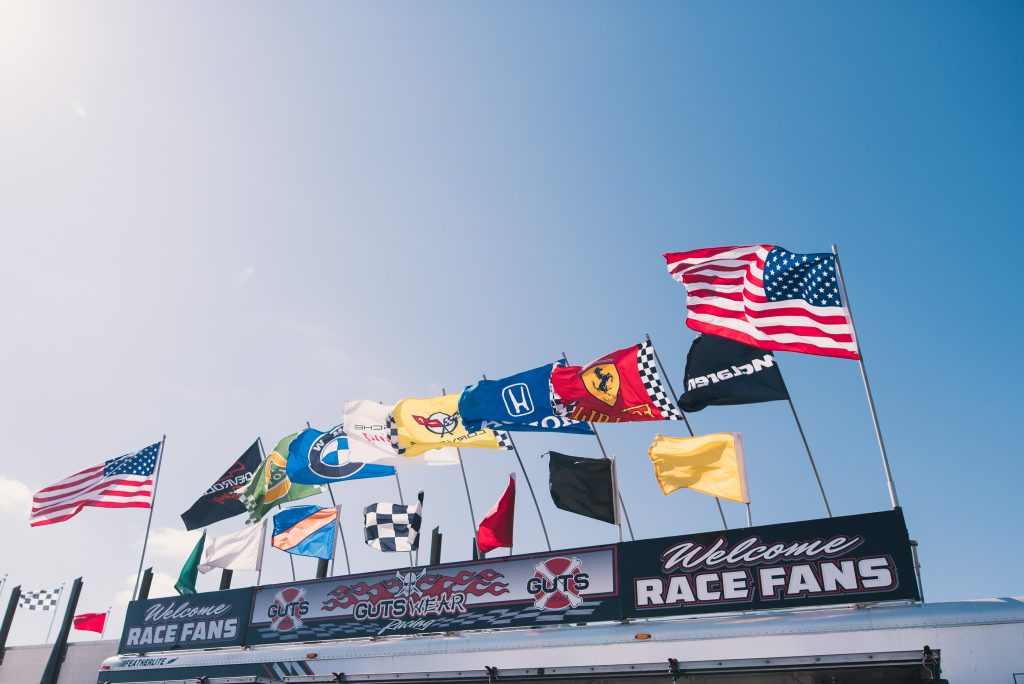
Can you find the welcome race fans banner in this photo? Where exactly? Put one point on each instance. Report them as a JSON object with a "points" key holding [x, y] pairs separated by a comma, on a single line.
{"points": [[848, 559]]}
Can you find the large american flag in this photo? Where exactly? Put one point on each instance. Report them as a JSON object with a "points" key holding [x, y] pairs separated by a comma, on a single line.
{"points": [[122, 482], [767, 297]]}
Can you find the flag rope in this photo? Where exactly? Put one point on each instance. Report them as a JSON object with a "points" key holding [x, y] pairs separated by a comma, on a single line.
{"points": [[668, 381], [152, 505], [604, 454], [867, 386]]}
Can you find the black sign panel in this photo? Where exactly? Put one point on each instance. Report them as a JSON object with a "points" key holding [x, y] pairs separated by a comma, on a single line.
{"points": [[836, 560], [553, 588], [216, 618]]}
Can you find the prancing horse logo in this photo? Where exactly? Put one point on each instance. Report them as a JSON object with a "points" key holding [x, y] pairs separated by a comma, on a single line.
{"points": [[602, 381]]}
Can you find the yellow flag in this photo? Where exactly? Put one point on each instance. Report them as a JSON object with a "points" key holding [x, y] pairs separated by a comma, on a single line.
{"points": [[712, 464], [435, 423]]}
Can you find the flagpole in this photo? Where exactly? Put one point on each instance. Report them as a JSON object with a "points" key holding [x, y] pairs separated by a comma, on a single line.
{"points": [[263, 544], [152, 505], [750, 518], [465, 481], [615, 493], [55, 609], [529, 484], [689, 428], [622, 502], [103, 629], [867, 386], [401, 500], [344, 546], [807, 448]]}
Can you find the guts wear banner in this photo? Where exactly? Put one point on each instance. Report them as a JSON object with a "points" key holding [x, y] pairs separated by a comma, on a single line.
{"points": [[206, 620], [622, 386], [561, 587], [849, 559]]}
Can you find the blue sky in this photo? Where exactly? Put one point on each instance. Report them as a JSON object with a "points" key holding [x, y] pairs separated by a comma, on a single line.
{"points": [[222, 221]]}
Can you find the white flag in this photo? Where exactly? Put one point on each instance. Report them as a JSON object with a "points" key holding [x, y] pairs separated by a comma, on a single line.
{"points": [[241, 550], [369, 438]]}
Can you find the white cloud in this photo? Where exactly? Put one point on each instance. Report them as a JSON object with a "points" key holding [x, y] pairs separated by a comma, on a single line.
{"points": [[163, 585], [243, 276], [15, 497], [172, 544], [79, 110]]}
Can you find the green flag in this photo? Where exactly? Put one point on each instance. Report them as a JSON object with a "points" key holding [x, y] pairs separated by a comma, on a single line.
{"points": [[270, 485], [186, 583]]}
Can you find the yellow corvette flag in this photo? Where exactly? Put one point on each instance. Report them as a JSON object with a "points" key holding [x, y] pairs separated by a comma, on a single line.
{"points": [[712, 464], [424, 424]]}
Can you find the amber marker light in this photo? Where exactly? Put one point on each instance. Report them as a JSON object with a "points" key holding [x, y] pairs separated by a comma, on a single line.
{"points": [[642, 636]]}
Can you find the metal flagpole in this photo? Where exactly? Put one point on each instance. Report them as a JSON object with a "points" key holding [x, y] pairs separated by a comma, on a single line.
{"points": [[668, 381], [807, 448], [3, 581], [259, 560], [401, 500], [750, 519], [867, 387], [615, 493], [152, 505], [622, 502], [103, 629], [543, 527], [344, 546], [60, 597], [465, 481]]}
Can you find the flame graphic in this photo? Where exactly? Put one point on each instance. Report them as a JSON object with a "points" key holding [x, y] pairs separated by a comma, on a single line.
{"points": [[481, 583]]}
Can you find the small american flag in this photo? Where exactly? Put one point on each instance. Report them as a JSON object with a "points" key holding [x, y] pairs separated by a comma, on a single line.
{"points": [[767, 297], [122, 482]]}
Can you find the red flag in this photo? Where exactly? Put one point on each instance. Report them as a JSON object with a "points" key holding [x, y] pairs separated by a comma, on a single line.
{"points": [[90, 622], [496, 529], [622, 386]]}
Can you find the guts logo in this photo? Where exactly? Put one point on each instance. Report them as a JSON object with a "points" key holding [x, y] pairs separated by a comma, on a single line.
{"points": [[286, 611], [558, 583]]}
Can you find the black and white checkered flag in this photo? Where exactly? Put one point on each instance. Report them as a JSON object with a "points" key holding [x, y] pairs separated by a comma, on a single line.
{"points": [[393, 527], [41, 599]]}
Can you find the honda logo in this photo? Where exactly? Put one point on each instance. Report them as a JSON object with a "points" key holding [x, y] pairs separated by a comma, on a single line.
{"points": [[518, 401]]}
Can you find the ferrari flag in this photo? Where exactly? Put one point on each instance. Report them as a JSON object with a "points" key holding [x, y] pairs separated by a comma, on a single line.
{"points": [[767, 297], [621, 386], [520, 402], [424, 424], [712, 464], [270, 484]]}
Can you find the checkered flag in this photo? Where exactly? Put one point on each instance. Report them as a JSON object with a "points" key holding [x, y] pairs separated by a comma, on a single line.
{"points": [[41, 599], [393, 527], [652, 383]]}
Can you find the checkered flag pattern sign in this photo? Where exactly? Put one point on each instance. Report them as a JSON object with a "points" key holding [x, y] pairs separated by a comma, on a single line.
{"points": [[41, 599], [649, 375], [393, 527]]}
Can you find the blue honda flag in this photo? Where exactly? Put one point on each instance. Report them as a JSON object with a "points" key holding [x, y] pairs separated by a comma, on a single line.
{"points": [[316, 457], [519, 402]]}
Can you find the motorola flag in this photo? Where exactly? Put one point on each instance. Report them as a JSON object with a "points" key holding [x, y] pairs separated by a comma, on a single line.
{"points": [[316, 457], [306, 531], [241, 550], [420, 425], [90, 622], [220, 500], [584, 486], [271, 486], [712, 464], [393, 527], [520, 402], [497, 526], [368, 426], [622, 386], [722, 372], [766, 296]]}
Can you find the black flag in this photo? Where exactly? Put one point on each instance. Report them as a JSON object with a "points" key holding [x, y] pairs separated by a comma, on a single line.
{"points": [[723, 372], [583, 486], [220, 501]]}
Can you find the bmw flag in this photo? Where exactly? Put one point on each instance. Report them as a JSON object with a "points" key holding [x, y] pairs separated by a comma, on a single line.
{"points": [[519, 402], [316, 457]]}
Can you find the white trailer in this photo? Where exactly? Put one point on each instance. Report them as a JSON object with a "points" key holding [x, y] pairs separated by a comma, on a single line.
{"points": [[973, 642]]}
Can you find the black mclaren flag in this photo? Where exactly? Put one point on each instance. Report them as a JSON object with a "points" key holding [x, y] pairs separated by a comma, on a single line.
{"points": [[720, 372], [220, 501], [583, 486]]}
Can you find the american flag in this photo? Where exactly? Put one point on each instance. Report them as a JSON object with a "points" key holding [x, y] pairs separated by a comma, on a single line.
{"points": [[122, 482], [767, 297]]}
